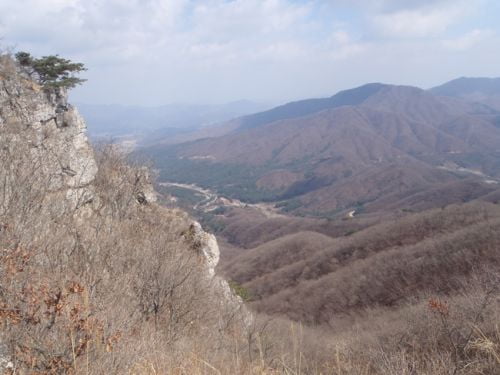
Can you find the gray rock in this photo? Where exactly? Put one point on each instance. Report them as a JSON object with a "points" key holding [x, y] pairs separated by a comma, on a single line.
{"points": [[54, 130]]}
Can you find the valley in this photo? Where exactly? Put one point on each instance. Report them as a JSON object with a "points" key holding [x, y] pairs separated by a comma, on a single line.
{"points": [[363, 149], [315, 192]]}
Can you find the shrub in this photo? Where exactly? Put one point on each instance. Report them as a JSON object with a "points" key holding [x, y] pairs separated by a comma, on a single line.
{"points": [[240, 290]]}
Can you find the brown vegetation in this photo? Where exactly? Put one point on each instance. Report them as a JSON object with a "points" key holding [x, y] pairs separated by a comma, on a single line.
{"points": [[246, 228], [100, 287], [382, 264]]}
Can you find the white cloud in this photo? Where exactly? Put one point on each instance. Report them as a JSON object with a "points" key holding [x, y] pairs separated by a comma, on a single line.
{"points": [[343, 46], [420, 22], [121, 27], [341, 37], [468, 40]]}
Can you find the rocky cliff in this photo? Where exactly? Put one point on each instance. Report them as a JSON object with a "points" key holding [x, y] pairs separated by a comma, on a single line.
{"points": [[52, 129], [55, 134]]}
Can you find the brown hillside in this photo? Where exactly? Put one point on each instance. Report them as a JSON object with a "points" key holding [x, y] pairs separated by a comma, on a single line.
{"points": [[379, 265], [378, 182]]}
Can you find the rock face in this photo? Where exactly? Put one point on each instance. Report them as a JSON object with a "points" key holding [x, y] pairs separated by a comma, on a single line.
{"points": [[210, 250], [209, 247], [53, 130]]}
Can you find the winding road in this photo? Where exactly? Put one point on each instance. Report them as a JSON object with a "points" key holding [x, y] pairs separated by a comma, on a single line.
{"points": [[211, 201]]}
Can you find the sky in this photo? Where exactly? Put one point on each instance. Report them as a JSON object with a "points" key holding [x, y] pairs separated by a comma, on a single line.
{"points": [[155, 52]]}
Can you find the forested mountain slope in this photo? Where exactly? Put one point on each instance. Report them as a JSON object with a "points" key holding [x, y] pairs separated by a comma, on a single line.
{"points": [[312, 277], [351, 151]]}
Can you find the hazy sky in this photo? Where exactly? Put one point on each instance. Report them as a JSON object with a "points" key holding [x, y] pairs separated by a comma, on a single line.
{"points": [[152, 52]]}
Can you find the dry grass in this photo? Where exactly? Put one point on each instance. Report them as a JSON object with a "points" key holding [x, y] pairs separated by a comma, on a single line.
{"points": [[97, 287], [414, 339]]}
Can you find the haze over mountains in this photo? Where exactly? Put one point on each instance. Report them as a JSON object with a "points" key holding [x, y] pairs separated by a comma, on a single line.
{"points": [[161, 121], [482, 90], [366, 148]]}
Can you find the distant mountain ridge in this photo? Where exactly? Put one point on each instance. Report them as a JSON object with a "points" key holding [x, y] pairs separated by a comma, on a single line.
{"points": [[351, 150], [468, 85], [309, 106], [372, 95], [481, 90]]}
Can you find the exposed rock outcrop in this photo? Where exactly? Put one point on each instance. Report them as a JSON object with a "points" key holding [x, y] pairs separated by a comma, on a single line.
{"points": [[54, 132]]}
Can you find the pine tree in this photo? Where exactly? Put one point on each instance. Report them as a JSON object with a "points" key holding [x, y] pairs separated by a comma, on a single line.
{"points": [[51, 71]]}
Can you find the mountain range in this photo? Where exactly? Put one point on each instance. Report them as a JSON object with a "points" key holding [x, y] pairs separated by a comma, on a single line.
{"points": [[369, 148]]}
